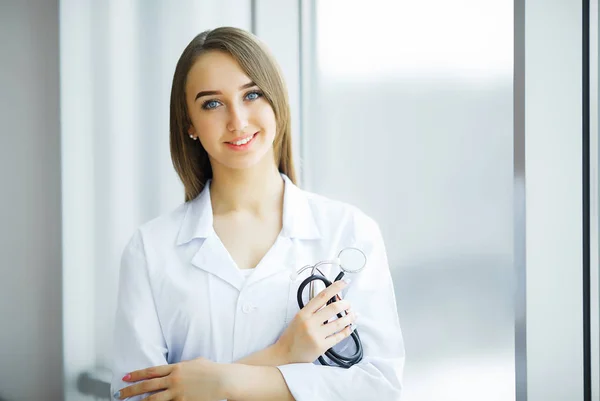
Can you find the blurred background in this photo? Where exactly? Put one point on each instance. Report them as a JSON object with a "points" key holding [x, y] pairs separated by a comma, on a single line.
{"points": [[439, 119]]}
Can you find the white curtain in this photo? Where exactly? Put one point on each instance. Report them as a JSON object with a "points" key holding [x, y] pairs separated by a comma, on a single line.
{"points": [[117, 62]]}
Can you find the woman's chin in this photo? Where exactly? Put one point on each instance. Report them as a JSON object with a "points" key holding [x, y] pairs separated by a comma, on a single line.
{"points": [[249, 162]]}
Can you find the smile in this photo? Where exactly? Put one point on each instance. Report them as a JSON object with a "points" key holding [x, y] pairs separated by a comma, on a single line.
{"points": [[242, 143]]}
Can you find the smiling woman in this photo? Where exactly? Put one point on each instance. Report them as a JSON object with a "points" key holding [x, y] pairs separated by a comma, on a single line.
{"points": [[206, 309], [223, 78], [233, 116]]}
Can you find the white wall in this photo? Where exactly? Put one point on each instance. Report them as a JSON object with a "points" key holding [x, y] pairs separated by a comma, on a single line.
{"points": [[30, 240]]}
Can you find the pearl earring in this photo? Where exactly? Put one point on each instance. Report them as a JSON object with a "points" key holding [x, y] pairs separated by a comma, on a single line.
{"points": [[193, 137]]}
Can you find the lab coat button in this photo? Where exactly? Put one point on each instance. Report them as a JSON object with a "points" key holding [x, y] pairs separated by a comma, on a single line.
{"points": [[247, 308]]}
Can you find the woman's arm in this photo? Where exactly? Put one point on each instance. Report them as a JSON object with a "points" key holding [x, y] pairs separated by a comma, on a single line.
{"points": [[257, 377], [271, 356], [138, 339], [254, 383]]}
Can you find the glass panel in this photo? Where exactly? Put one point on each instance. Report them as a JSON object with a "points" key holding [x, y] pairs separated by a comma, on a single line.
{"points": [[409, 117]]}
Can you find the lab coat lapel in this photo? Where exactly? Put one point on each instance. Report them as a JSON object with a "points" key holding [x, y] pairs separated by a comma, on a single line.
{"points": [[278, 259], [298, 224], [213, 258], [197, 228], [298, 219], [198, 219]]}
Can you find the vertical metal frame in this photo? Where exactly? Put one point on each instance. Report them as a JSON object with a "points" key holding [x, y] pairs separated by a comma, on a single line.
{"points": [[594, 188], [520, 249], [585, 140]]}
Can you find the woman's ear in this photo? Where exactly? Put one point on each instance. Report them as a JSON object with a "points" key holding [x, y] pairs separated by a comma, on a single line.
{"points": [[192, 133]]}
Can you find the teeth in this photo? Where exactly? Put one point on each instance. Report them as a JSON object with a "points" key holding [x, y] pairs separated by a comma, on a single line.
{"points": [[243, 141]]}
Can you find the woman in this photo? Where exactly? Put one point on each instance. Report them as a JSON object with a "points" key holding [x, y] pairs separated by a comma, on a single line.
{"points": [[206, 308]]}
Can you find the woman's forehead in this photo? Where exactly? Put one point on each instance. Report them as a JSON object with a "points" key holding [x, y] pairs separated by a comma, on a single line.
{"points": [[218, 71]]}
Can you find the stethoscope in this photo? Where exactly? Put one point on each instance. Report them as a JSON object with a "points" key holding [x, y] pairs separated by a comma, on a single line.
{"points": [[350, 260]]}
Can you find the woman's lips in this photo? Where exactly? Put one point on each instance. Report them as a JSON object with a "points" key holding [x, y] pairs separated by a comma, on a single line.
{"points": [[243, 146], [240, 138]]}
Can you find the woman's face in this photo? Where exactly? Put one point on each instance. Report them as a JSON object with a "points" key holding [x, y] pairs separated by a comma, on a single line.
{"points": [[232, 119]]}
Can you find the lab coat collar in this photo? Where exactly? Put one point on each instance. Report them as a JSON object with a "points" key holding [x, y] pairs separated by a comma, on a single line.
{"points": [[298, 223], [298, 220], [198, 218]]}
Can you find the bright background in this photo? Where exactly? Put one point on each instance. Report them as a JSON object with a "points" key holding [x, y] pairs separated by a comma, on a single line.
{"points": [[462, 139]]}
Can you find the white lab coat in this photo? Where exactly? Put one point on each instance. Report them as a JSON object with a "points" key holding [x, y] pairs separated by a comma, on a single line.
{"points": [[181, 296]]}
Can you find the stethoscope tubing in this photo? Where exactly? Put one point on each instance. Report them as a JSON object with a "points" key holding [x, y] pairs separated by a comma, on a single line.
{"points": [[339, 359]]}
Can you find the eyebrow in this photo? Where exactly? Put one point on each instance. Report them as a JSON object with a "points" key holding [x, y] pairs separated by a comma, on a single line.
{"points": [[211, 93]]}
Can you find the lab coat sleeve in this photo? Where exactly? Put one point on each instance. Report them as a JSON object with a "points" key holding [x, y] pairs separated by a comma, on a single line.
{"points": [[379, 375], [138, 341]]}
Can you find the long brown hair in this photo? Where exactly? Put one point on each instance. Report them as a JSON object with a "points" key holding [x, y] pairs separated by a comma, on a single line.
{"points": [[189, 157]]}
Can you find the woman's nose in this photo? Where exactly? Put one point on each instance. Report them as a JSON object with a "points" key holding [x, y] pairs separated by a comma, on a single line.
{"points": [[238, 119]]}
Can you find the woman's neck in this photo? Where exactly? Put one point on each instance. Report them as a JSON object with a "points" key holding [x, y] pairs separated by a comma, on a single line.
{"points": [[258, 190]]}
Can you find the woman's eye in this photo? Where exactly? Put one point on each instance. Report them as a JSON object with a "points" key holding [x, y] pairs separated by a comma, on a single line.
{"points": [[211, 104], [253, 95]]}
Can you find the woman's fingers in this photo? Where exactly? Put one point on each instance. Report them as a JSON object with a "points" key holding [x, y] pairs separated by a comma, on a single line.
{"points": [[339, 336], [148, 373], [321, 299], [338, 324], [331, 311], [166, 395], [146, 386]]}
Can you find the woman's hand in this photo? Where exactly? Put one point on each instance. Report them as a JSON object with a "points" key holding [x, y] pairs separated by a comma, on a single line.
{"points": [[198, 379], [310, 333]]}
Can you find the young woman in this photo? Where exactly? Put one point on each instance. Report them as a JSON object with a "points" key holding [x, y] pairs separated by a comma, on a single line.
{"points": [[207, 305]]}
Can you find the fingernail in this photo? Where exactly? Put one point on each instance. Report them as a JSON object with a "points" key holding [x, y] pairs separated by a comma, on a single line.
{"points": [[117, 394], [126, 377], [346, 280], [352, 327]]}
